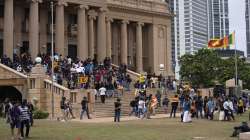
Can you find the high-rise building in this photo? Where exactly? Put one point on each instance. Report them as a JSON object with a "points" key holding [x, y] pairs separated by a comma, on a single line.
{"points": [[189, 27], [194, 23], [247, 15], [218, 18]]}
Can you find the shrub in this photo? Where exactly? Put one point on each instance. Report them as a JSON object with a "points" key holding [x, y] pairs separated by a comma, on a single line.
{"points": [[38, 114]]}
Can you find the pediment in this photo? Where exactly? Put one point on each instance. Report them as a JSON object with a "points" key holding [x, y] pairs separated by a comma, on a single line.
{"points": [[9, 73]]}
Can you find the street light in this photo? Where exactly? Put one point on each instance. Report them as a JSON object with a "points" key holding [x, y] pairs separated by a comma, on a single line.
{"points": [[162, 68], [52, 59]]}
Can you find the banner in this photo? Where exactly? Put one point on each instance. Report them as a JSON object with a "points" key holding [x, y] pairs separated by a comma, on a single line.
{"points": [[83, 79]]}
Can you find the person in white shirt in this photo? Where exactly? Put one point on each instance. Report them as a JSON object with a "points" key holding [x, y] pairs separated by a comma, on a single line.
{"points": [[141, 108], [19, 68], [102, 92], [226, 110], [231, 109]]}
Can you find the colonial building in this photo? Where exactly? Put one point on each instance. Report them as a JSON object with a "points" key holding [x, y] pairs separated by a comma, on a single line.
{"points": [[132, 32]]}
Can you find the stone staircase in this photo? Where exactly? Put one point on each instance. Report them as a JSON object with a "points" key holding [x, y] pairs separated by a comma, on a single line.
{"points": [[107, 109]]}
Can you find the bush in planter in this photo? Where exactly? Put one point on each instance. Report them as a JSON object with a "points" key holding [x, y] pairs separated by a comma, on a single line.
{"points": [[38, 114]]}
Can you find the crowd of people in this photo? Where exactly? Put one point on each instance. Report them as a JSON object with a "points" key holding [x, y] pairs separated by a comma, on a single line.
{"points": [[19, 116], [107, 81], [76, 73], [193, 104]]}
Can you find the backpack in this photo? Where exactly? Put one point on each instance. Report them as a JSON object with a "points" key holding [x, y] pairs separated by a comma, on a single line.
{"points": [[132, 103]]}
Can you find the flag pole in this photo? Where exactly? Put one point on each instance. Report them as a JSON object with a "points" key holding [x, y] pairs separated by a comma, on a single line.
{"points": [[236, 65]]}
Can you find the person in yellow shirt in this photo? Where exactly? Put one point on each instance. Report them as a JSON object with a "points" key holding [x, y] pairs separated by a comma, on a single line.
{"points": [[240, 106], [141, 80]]}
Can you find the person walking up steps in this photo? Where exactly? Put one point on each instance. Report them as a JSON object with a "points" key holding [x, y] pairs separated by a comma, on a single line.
{"points": [[102, 92]]}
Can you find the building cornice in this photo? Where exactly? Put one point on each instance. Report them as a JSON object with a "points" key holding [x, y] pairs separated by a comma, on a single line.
{"points": [[139, 10], [154, 7]]}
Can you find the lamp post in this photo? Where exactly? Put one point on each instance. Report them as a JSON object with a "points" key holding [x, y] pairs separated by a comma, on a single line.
{"points": [[52, 59], [162, 68]]}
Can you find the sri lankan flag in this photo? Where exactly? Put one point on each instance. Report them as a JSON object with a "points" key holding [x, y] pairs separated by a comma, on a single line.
{"points": [[223, 42], [217, 43]]}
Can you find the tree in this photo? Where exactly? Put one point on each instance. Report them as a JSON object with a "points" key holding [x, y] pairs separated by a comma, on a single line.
{"points": [[200, 69], [205, 67]]}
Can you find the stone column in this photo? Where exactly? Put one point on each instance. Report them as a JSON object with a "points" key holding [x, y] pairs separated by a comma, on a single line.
{"points": [[43, 30], [101, 36], [34, 28], [139, 61], [109, 40], [82, 47], [92, 17], [8, 30], [169, 51], [60, 38], [124, 42]]}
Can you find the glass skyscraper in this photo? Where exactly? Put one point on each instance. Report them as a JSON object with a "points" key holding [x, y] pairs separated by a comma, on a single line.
{"points": [[248, 26], [218, 18], [189, 27]]}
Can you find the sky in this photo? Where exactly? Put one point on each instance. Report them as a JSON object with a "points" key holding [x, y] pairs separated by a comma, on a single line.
{"points": [[237, 22]]}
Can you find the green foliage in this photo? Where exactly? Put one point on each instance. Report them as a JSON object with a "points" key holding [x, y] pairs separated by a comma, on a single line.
{"points": [[199, 69], [38, 114], [205, 67]]}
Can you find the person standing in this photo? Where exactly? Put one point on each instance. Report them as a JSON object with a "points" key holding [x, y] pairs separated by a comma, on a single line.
{"points": [[63, 108], [205, 107], [7, 106], [174, 104], [210, 108], [186, 110], [25, 119], [102, 92], [199, 106], [165, 104], [31, 109], [71, 109], [84, 104], [226, 110], [133, 108], [141, 108], [158, 96], [117, 110], [231, 109], [240, 106], [14, 120]]}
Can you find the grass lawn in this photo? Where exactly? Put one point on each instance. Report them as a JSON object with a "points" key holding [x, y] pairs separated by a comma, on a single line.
{"points": [[154, 129]]}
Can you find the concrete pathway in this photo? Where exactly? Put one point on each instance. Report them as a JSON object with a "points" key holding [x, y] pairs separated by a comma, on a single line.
{"points": [[123, 118]]}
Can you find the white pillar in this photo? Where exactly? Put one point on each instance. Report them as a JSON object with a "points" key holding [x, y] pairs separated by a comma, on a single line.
{"points": [[8, 30], [139, 61], [101, 36], [82, 47], [60, 29], [109, 40], [124, 42], [34, 29]]}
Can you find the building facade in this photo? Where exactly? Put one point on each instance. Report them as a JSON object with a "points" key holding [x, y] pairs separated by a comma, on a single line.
{"points": [[247, 16], [218, 18], [132, 32]]}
